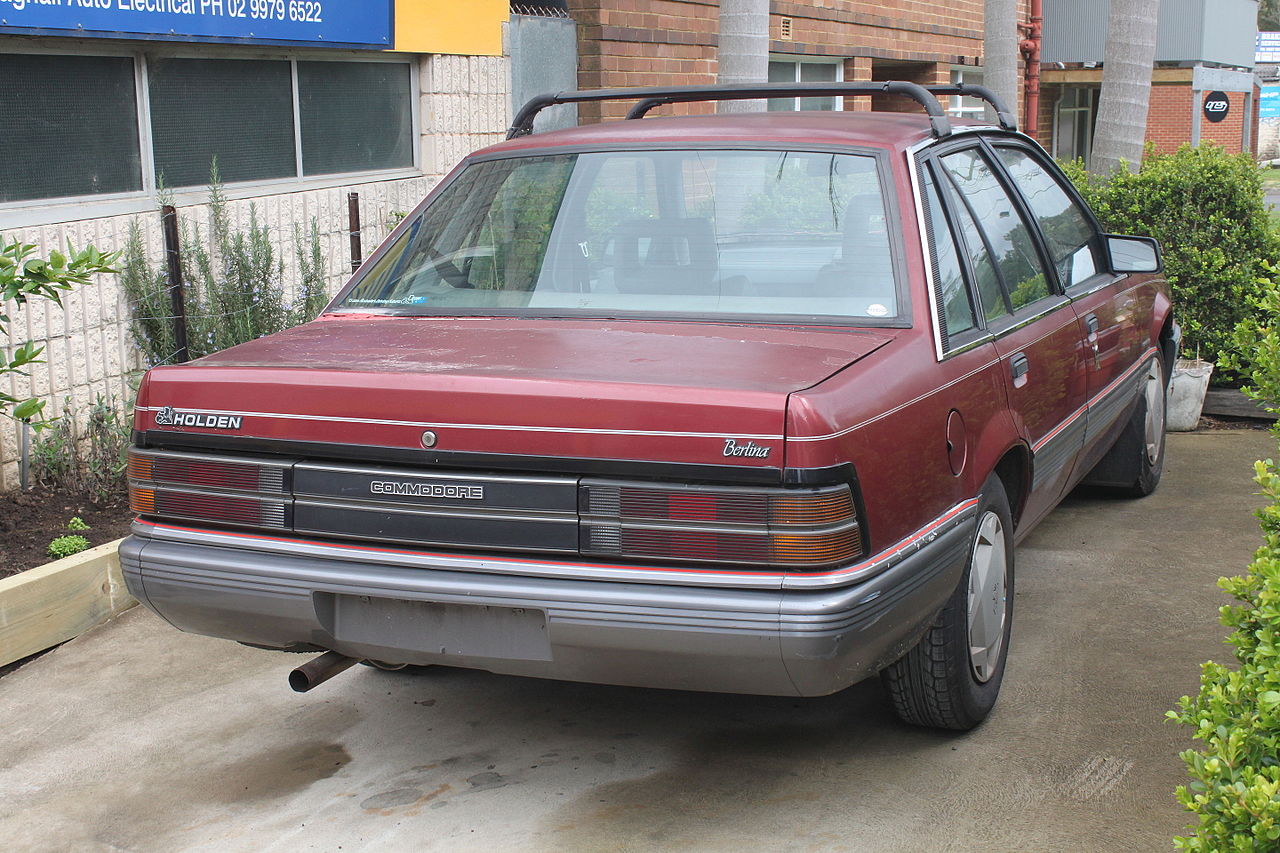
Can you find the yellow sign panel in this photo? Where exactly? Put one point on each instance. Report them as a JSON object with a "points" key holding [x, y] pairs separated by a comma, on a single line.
{"points": [[466, 27]]}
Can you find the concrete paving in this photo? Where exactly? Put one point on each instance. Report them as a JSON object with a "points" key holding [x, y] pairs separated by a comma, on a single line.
{"points": [[137, 737]]}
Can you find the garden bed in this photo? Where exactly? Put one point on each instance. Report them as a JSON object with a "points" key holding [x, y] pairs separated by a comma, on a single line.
{"points": [[30, 520]]}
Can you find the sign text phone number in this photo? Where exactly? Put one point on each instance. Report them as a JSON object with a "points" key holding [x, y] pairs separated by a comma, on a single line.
{"points": [[311, 11]]}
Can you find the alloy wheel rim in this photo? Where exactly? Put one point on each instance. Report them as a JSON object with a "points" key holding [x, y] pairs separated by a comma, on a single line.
{"points": [[1154, 427], [988, 603]]}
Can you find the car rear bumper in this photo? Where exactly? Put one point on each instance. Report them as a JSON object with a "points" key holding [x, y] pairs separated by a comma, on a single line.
{"points": [[776, 641]]}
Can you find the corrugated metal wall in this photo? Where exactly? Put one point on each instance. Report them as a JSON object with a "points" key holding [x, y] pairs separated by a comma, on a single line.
{"points": [[1220, 31]]}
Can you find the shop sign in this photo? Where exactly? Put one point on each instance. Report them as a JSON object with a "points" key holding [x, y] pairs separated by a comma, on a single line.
{"points": [[337, 23], [1269, 102], [1216, 106]]}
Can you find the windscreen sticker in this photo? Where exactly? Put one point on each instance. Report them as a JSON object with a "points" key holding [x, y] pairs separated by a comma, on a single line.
{"points": [[875, 309], [402, 300]]}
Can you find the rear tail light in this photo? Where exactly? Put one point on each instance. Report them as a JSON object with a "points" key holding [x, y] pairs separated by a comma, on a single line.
{"points": [[802, 528], [229, 490]]}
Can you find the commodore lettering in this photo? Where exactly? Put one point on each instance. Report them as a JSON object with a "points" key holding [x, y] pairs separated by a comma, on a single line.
{"points": [[427, 490]]}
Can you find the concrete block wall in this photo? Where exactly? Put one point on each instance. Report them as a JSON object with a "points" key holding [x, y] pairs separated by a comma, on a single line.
{"points": [[89, 351]]}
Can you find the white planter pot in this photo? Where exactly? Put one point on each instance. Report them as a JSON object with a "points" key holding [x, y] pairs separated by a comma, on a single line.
{"points": [[1186, 393]]}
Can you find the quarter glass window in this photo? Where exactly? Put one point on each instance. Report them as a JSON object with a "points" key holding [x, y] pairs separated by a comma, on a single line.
{"points": [[957, 313], [1008, 236], [1066, 230]]}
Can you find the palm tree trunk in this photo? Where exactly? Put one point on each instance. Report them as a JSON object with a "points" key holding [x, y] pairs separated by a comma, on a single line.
{"points": [[744, 49], [1126, 85], [1000, 53]]}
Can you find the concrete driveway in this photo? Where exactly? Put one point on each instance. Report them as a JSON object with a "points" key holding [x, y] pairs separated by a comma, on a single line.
{"points": [[137, 737]]}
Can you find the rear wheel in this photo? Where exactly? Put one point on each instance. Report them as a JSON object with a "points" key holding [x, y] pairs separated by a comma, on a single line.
{"points": [[1135, 462], [951, 678]]}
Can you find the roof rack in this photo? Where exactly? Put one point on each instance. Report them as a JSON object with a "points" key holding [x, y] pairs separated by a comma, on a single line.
{"points": [[648, 98]]}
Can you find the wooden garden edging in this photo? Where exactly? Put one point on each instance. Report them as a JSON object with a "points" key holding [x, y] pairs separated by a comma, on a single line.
{"points": [[59, 601]]}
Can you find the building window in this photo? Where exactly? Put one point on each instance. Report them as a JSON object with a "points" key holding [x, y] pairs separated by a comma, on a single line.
{"points": [[237, 110], [355, 116], [71, 126], [962, 106], [782, 70], [1073, 122], [75, 129]]}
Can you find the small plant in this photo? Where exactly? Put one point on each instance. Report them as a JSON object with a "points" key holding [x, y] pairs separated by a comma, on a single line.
{"points": [[92, 463], [312, 295], [107, 458], [65, 546], [77, 523], [55, 456]]}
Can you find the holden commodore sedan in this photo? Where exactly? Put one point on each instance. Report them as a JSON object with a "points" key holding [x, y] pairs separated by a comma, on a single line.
{"points": [[755, 403]]}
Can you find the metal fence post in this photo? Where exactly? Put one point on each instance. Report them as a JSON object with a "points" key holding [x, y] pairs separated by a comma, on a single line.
{"points": [[353, 225], [173, 253]]}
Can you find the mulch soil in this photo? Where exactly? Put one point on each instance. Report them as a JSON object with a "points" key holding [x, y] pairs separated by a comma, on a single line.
{"points": [[30, 520]]}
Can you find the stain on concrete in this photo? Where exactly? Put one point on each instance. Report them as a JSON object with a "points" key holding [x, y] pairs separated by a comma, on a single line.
{"points": [[486, 781], [275, 772], [391, 799]]}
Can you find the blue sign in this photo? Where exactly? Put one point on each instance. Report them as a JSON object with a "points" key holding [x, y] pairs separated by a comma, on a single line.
{"points": [[1267, 48], [1269, 102], [337, 23]]}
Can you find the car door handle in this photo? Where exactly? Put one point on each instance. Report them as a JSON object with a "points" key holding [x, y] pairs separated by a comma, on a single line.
{"points": [[1091, 324], [1020, 368]]}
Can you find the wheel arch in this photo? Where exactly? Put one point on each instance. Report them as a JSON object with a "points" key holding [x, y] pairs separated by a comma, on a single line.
{"points": [[1014, 471]]}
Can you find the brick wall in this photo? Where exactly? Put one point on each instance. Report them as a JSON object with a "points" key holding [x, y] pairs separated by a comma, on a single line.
{"points": [[1169, 117], [673, 42]]}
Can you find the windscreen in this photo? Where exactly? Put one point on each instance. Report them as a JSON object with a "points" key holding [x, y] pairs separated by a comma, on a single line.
{"points": [[768, 233]]}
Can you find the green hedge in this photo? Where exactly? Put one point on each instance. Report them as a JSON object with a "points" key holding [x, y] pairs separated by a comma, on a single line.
{"points": [[1205, 207]]}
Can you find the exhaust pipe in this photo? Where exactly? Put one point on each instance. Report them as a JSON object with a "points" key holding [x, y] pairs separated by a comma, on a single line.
{"points": [[319, 670]]}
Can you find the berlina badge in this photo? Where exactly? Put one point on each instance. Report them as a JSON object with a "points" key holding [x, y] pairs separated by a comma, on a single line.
{"points": [[169, 417], [750, 448]]}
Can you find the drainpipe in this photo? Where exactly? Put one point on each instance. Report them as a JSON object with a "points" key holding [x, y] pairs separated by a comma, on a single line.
{"points": [[1030, 47]]}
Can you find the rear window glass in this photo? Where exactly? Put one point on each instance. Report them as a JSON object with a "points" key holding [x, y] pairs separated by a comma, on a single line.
{"points": [[676, 232]]}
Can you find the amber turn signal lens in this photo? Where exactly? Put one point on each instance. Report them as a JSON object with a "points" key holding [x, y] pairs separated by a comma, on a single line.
{"points": [[142, 501]]}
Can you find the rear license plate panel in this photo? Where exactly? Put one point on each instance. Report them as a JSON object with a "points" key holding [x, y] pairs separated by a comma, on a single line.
{"points": [[469, 630]]}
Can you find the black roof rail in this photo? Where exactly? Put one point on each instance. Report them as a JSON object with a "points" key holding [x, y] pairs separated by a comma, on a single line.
{"points": [[649, 98], [1007, 119]]}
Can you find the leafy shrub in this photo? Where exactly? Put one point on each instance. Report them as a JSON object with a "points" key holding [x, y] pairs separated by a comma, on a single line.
{"points": [[77, 523], [1235, 787], [65, 546], [1205, 206], [23, 277], [233, 284]]}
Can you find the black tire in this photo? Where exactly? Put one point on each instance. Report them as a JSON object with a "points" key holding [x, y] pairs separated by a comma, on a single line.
{"points": [[939, 684], [1134, 464]]}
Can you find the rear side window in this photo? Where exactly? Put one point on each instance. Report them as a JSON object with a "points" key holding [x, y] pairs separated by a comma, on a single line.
{"points": [[1067, 231], [1008, 236]]}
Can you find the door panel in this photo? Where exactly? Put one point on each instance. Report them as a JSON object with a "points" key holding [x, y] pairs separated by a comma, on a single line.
{"points": [[1038, 336]]}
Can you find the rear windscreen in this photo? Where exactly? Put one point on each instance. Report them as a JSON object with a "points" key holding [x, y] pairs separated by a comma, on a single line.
{"points": [[668, 232]]}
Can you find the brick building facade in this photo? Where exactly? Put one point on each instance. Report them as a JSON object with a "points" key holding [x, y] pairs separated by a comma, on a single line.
{"points": [[674, 42]]}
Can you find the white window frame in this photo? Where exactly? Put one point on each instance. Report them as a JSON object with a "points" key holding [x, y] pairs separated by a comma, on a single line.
{"points": [[1087, 112], [45, 211], [965, 106], [795, 59]]}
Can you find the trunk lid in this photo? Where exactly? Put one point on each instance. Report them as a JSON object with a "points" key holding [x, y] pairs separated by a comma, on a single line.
{"points": [[687, 392]]}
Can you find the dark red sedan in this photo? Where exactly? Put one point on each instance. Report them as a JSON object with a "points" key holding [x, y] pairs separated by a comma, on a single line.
{"points": [[756, 403]]}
